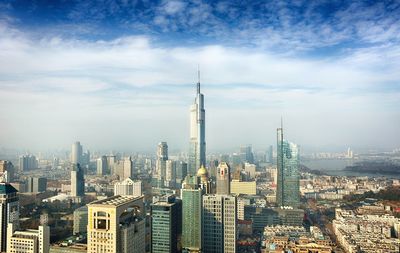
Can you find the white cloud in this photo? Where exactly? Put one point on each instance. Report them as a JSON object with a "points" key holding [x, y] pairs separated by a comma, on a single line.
{"points": [[131, 93]]}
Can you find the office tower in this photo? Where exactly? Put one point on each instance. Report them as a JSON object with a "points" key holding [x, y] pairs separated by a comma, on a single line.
{"points": [[170, 174], [288, 183], [219, 223], [197, 152], [223, 178], [246, 154], [28, 241], [161, 163], [272, 173], [102, 165], [128, 187], [36, 184], [191, 195], [28, 162], [77, 181], [9, 211], [181, 172], [7, 171], [116, 224], [80, 220], [128, 168], [76, 153], [166, 225]]}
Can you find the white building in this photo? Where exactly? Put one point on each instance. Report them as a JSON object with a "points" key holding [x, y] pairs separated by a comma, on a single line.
{"points": [[128, 187], [28, 241]]}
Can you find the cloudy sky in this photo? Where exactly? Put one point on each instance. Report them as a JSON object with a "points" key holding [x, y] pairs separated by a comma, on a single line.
{"points": [[122, 74]]}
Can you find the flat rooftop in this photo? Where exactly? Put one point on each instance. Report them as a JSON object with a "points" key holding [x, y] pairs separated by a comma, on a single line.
{"points": [[114, 201]]}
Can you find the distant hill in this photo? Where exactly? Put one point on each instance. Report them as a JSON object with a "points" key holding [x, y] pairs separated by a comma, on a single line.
{"points": [[379, 167]]}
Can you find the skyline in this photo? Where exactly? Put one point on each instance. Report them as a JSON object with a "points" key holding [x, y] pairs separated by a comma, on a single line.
{"points": [[124, 79]]}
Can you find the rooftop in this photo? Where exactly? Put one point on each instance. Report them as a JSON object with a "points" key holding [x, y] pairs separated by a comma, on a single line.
{"points": [[114, 200]]}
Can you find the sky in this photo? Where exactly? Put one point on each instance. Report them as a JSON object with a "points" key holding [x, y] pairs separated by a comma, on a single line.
{"points": [[120, 75]]}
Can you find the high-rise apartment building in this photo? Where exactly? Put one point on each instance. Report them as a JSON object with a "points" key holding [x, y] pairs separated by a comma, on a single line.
{"points": [[76, 153], [161, 163], [28, 162], [170, 173], [28, 241], [219, 224], [191, 195], [181, 172], [116, 224], [166, 225], [197, 152], [288, 175], [7, 171], [223, 178], [128, 187], [9, 212], [77, 181], [102, 165], [128, 167]]}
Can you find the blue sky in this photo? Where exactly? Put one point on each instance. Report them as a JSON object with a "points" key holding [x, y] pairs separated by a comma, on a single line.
{"points": [[125, 71]]}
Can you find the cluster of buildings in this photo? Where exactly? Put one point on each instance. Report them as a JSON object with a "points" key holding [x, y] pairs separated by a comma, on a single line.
{"points": [[366, 232]]}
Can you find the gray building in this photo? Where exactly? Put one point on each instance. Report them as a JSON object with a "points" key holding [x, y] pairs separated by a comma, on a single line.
{"points": [[9, 210], [219, 230], [77, 181], [80, 220], [36, 184], [166, 225]]}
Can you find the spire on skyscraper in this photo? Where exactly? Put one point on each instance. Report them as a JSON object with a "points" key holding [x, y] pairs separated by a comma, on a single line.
{"points": [[198, 78]]}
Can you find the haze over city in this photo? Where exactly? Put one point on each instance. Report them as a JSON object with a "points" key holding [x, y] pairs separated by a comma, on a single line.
{"points": [[121, 75]]}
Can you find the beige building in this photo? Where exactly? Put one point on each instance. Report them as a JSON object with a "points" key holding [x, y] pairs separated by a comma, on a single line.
{"points": [[242, 187], [28, 241], [116, 224], [128, 187]]}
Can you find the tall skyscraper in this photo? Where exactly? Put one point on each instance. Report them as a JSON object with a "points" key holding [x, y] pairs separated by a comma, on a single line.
{"points": [[76, 153], [36, 184], [219, 224], [191, 195], [128, 167], [197, 152], [181, 172], [161, 163], [288, 183], [166, 225], [77, 181], [170, 174], [116, 224], [9, 211], [223, 178]]}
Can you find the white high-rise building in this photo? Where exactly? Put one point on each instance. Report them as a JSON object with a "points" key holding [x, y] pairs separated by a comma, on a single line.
{"points": [[76, 153], [197, 152], [116, 224], [128, 187], [161, 163], [102, 165], [77, 181], [219, 224], [9, 211], [170, 173], [128, 167], [28, 241]]}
